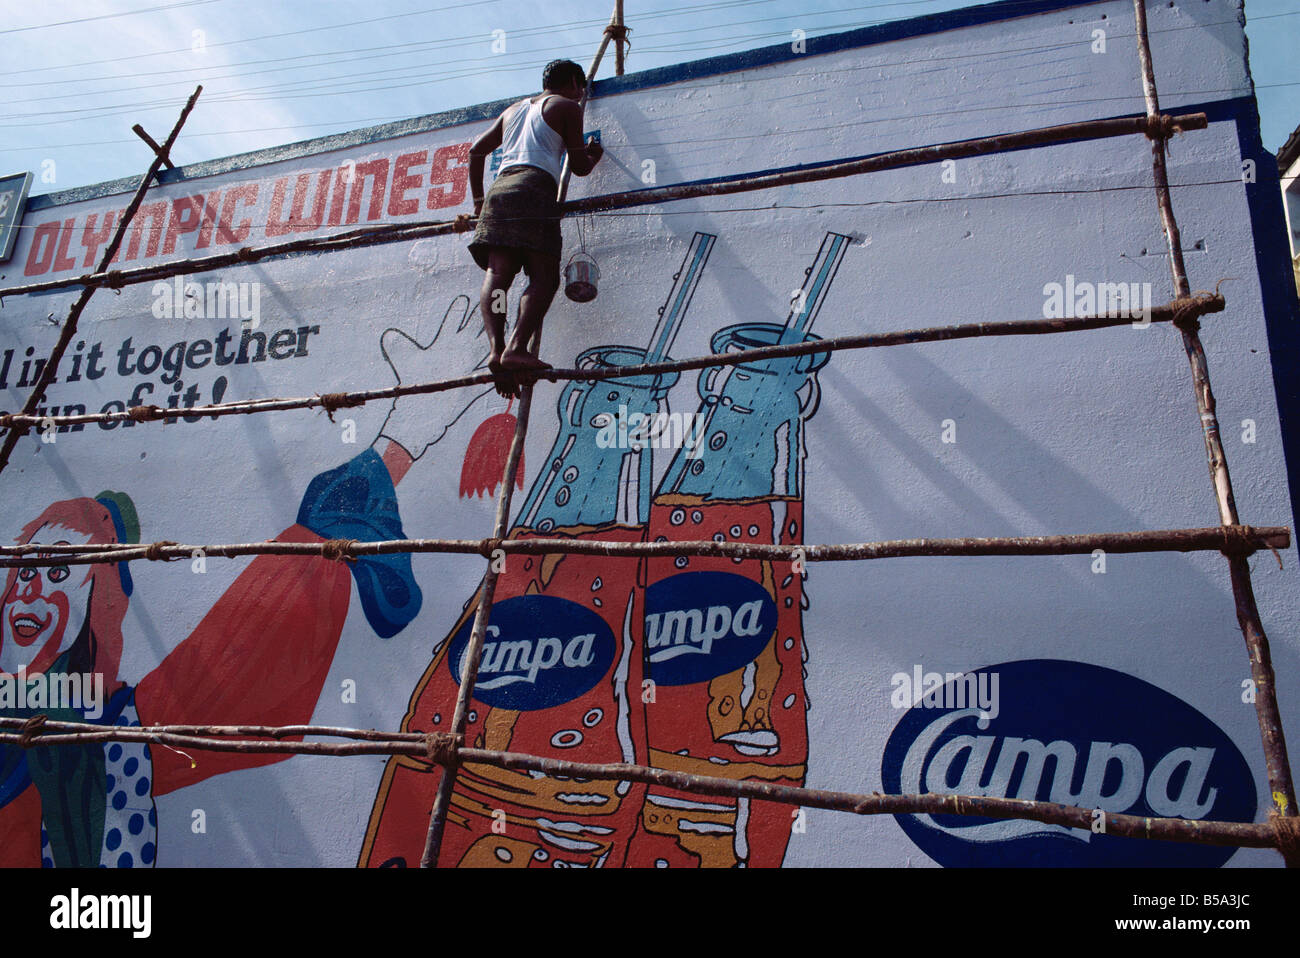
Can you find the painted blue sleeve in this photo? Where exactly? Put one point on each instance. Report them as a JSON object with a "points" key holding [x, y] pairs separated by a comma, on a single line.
{"points": [[358, 501]]}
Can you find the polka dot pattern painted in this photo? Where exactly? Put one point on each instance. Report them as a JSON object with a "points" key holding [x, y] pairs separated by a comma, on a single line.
{"points": [[130, 821]]}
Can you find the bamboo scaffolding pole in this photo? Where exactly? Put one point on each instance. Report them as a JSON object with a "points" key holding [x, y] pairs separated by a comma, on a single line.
{"points": [[49, 370], [614, 20], [441, 748], [398, 232], [501, 525], [915, 156], [159, 151], [1250, 834], [474, 653], [1281, 785], [358, 238], [1230, 540], [620, 35], [215, 731], [1199, 305]]}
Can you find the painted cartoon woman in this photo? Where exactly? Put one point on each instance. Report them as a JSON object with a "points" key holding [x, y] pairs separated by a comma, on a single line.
{"points": [[259, 657]]}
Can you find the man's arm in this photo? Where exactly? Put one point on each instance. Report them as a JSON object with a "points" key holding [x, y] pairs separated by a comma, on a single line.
{"points": [[478, 152], [583, 157]]}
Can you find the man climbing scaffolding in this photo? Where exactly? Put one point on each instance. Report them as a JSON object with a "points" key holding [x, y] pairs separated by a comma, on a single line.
{"points": [[519, 219]]}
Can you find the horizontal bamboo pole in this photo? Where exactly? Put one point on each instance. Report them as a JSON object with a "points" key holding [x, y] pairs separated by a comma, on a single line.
{"points": [[357, 238], [398, 232], [1242, 834], [1178, 310], [217, 731], [119, 733], [1236, 540], [440, 748], [1159, 127]]}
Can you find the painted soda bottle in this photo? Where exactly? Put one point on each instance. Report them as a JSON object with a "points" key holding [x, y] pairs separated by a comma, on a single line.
{"points": [[562, 671], [724, 645]]}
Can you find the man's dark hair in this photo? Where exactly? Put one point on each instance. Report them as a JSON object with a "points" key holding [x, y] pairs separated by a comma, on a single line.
{"points": [[559, 73]]}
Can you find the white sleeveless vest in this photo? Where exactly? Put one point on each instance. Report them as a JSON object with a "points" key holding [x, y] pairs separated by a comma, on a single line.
{"points": [[528, 140]]}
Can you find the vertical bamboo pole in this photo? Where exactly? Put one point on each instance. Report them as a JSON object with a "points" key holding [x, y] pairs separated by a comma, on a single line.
{"points": [[618, 49], [474, 653], [1276, 761], [74, 314], [591, 78]]}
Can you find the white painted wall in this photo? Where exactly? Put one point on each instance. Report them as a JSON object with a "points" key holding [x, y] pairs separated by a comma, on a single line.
{"points": [[1070, 433]]}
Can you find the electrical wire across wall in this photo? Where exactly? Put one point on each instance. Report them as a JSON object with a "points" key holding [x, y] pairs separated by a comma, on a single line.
{"points": [[1234, 540], [460, 73]]}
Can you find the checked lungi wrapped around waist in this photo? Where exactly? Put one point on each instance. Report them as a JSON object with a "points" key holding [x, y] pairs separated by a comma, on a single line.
{"points": [[520, 210]]}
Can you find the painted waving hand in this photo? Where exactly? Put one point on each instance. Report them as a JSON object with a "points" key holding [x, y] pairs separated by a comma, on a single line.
{"points": [[458, 348]]}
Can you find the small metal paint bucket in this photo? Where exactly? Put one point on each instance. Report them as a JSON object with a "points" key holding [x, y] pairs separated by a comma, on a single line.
{"points": [[580, 276]]}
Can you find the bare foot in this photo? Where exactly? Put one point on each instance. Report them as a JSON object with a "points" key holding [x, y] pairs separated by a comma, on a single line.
{"points": [[503, 380], [523, 362]]}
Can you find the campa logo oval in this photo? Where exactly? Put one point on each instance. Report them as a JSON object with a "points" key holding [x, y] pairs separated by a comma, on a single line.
{"points": [[699, 625], [1072, 733], [540, 651]]}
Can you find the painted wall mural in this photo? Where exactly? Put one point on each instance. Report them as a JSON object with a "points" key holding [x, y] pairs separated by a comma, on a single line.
{"points": [[1112, 682], [717, 644]]}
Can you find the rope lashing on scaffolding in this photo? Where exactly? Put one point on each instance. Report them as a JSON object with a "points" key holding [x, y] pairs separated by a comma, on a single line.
{"points": [[162, 152], [1162, 127], [31, 729], [154, 553], [1287, 830], [144, 413], [334, 401], [1187, 315], [443, 749], [1236, 540], [1246, 540], [1239, 540], [618, 33], [339, 550]]}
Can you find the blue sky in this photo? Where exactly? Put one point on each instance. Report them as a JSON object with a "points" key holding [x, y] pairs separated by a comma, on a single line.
{"points": [[79, 74]]}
